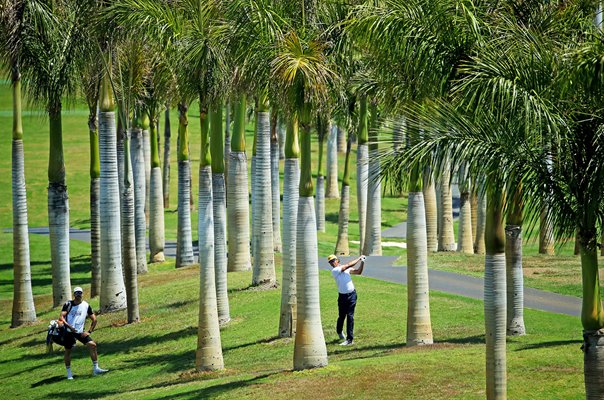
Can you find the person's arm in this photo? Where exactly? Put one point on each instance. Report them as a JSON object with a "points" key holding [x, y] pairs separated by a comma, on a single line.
{"points": [[92, 325], [359, 270], [63, 317], [350, 264]]}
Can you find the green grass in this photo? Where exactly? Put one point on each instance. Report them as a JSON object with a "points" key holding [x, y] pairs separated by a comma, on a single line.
{"points": [[155, 358]]}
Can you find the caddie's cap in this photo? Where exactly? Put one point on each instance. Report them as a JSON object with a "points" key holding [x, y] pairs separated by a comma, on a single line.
{"points": [[331, 257], [78, 289]]}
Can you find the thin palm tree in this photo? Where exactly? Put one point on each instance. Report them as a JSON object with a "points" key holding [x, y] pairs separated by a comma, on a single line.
{"points": [[465, 239], [275, 182], [331, 190], [23, 311], [291, 182], [373, 232], [362, 168], [166, 168], [137, 155], [322, 132]]}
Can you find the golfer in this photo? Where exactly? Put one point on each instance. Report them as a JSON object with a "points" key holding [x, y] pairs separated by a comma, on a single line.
{"points": [[347, 297], [73, 315]]}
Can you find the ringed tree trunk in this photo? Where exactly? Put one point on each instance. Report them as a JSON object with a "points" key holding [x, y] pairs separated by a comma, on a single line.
{"points": [[419, 325], [495, 298], [184, 241], [291, 183], [156, 209], [513, 263], [129, 234], [281, 132], [474, 209], [264, 262], [546, 234], [166, 170], [373, 233], [342, 248], [113, 290], [147, 160], [332, 164], [322, 129], [341, 139], [238, 223], [309, 348], [227, 139], [58, 211], [138, 171], [446, 236], [429, 192], [465, 239], [479, 246], [208, 356], [218, 192], [24, 310], [592, 316], [362, 170], [275, 194], [95, 216]]}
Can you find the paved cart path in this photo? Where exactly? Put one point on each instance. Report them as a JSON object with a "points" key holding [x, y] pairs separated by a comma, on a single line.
{"points": [[383, 268]]}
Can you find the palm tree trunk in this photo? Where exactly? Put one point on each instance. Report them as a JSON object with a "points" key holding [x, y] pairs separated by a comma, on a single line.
{"points": [[219, 213], [129, 236], [373, 233], [208, 356], [58, 212], [184, 242], [474, 209], [429, 192], [479, 245], [227, 140], [341, 139], [323, 130], [24, 310], [156, 209], [465, 239], [147, 161], [546, 234], [166, 170], [309, 348], [95, 216], [331, 191], [495, 300], [419, 326], [138, 170], [264, 262], [342, 247], [281, 132], [362, 170], [592, 316], [275, 193], [446, 236], [113, 291], [291, 183], [238, 222]]}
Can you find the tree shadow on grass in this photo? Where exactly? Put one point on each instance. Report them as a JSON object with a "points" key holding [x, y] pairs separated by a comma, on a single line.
{"points": [[125, 345], [171, 362], [259, 341], [331, 217], [476, 339], [213, 391], [545, 345], [360, 352]]}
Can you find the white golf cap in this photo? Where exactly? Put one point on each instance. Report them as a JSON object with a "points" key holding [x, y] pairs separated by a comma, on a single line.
{"points": [[78, 289]]}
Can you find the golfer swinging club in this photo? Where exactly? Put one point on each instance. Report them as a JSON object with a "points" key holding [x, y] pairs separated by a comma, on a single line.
{"points": [[347, 297]]}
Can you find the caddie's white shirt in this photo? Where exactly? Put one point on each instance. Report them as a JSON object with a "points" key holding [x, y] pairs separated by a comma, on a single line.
{"points": [[343, 279], [77, 316]]}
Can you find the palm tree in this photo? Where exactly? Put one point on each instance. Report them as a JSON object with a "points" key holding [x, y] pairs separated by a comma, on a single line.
{"points": [[362, 169], [331, 190], [238, 226], [113, 294], [23, 311], [513, 259], [262, 216], [344, 212], [373, 232], [322, 132], [138, 171], [51, 43], [429, 191], [275, 181], [291, 181], [166, 169], [184, 241], [219, 212], [465, 239]]}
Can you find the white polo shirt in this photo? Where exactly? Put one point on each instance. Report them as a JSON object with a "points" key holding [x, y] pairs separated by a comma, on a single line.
{"points": [[343, 280], [76, 317]]}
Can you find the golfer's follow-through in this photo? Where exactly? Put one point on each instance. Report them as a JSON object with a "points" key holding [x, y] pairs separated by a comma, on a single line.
{"points": [[347, 295]]}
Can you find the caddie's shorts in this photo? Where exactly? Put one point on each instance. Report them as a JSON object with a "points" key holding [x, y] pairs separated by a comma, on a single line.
{"points": [[70, 339]]}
